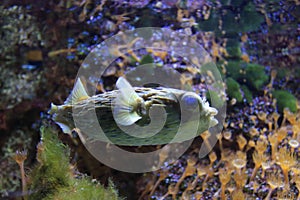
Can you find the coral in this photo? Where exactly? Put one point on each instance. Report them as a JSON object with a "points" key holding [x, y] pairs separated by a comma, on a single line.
{"points": [[9, 170], [237, 34], [286, 160], [275, 181], [255, 171], [258, 160], [20, 157]]}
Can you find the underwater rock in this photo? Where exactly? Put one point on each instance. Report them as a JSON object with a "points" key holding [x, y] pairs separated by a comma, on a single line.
{"points": [[18, 29], [27, 82], [134, 3]]}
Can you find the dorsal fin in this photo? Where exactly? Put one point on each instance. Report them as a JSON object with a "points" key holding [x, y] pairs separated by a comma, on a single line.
{"points": [[127, 91], [78, 93]]}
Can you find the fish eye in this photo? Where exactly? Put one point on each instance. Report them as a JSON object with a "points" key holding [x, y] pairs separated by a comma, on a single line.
{"points": [[189, 101]]}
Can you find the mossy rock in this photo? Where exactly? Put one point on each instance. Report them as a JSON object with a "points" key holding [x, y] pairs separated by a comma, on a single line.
{"points": [[220, 67], [297, 72], [52, 178], [51, 172], [233, 89], [211, 24], [247, 93], [233, 48], [234, 69], [229, 22], [249, 19], [85, 189], [256, 76], [250, 74], [214, 98], [232, 2], [285, 100], [147, 59], [237, 16], [282, 73]]}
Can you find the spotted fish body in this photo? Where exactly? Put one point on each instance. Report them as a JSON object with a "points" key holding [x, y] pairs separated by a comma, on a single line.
{"points": [[104, 117]]}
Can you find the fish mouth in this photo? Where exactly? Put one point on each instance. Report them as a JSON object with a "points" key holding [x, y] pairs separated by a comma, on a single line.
{"points": [[212, 111], [213, 122]]}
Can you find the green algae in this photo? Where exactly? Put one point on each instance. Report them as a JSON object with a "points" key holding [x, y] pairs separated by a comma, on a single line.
{"points": [[236, 16], [234, 69], [256, 76], [233, 89], [233, 48], [247, 93], [53, 178], [285, 100], [243, 78], [147, 59]]}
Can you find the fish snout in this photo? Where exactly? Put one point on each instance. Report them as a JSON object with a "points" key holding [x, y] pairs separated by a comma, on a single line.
{"points": [[53, 109], [212, 111]]}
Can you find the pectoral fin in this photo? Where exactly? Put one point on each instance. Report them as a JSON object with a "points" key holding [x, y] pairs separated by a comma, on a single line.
{"points": [[125, 103], [124, 117]]}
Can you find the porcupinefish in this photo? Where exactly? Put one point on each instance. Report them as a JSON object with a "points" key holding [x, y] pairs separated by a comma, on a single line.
{"points": [[151, 116]]}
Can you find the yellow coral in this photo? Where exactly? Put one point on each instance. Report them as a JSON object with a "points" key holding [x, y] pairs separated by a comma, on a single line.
{"points": [[258, 159], [286, 160], [275, 181], [224, 177]]}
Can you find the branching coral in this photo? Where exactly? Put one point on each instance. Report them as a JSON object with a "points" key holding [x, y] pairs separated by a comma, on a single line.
{"points": [[20, 157], [258, 160], [286, 160], [224, 177], [275, 181]]}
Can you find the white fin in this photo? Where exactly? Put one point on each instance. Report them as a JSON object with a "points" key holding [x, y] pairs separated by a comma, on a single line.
{"points": [[127, 91], [125, 103], [124, 117], [213, 122], [53, 109], [78, 93], [65, 128], [212, 111]]}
